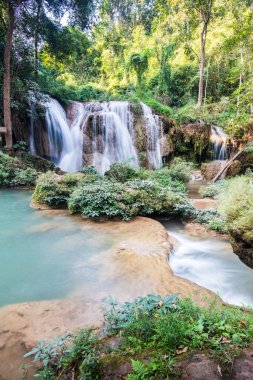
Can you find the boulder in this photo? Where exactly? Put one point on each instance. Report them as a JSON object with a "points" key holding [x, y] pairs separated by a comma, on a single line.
{"points": [[209, 170], [167, 146]]}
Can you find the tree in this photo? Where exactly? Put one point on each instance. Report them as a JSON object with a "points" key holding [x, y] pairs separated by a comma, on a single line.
{"points": [[139, 62], [79, 12], [201, 10]]}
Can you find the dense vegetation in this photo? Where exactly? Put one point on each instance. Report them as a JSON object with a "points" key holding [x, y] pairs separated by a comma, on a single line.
{"points": [[149, 50], [235, 205], [123, 192], [154, 333]]}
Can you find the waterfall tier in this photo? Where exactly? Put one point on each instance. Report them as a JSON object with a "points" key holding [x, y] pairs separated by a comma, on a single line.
{"points": [[218, 142], [97, 134]]}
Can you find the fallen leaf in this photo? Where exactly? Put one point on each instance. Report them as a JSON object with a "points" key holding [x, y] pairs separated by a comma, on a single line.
{"points": [[182, 350]]}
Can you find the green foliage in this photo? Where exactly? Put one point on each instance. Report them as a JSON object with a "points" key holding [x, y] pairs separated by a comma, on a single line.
{"points": [[124, 192], [180, 327], [158, 107], [120, 316], [13, 174], [121, 172], [249, 149], [65, 353], [155, 331], [213, 220], [211, 191], [236, 205], [180, 169], [136, 197], [55, 190]]}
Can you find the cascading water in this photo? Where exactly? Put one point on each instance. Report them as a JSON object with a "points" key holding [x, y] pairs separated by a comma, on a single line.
{"points": [[154, 134], [59, 136], [97, 134], [112, 136], [218, 140]]}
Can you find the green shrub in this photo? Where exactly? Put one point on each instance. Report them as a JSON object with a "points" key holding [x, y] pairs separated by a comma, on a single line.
{"points": [[24, 177], [166, 326], [12, 173], [89, 170], [55, 190], [236, 205], [154, 331], [121, 172], [61, 356], [211, 191], [162, 177], [136, 197], [180, 169]]}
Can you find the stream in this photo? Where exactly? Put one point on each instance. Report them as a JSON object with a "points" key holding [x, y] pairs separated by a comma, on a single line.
{"points": [[46, 255], [209, 261]]}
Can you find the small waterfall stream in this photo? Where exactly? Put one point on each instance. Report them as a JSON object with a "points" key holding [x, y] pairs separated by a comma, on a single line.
{"points": [[154, 134], [210, 262], [218, 142], [98, 134]]}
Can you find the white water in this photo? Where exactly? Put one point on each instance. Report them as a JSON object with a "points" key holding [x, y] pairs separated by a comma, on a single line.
{"points": [[218, 140], [59, 136], [154, 135], [113, 136], [100, 134], [210, 262]]}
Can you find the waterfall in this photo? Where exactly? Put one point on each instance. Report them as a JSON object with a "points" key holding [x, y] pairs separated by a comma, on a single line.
{"points": [[154, 134], [59, 136], [113, 136], [218, 140], [32, 146], [99, 134]]}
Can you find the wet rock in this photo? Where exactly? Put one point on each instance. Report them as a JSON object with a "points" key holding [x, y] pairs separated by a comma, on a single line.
{"points": [[242, 247], [38, 163], [167, 146], [243, 366], [234, 169], [209, 170], [201, 367]]}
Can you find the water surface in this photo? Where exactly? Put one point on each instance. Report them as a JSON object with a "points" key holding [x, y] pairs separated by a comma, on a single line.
{"points": [[45, 255], [210, 262]]}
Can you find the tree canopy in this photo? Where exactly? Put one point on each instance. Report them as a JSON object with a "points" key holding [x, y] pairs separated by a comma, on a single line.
{"points": [[180, 53]]}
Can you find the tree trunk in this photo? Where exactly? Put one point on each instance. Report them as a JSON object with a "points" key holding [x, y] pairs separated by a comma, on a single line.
{"points": [[7, 79], [36, 37], [202, 65]]}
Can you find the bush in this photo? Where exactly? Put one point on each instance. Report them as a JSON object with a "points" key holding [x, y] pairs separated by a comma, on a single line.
{"points": [[77, 351], [154, 326], [13, 175], [55, 190], [236, 205], [180, 169], [211, 191], [136, 197], [25, 177], [162, 177], [121, 172]]}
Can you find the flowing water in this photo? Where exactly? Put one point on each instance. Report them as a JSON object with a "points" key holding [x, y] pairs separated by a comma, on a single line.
{"points": [[154, 134], [210, 262], [218, 141], [99, 134], [53, 255]]}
